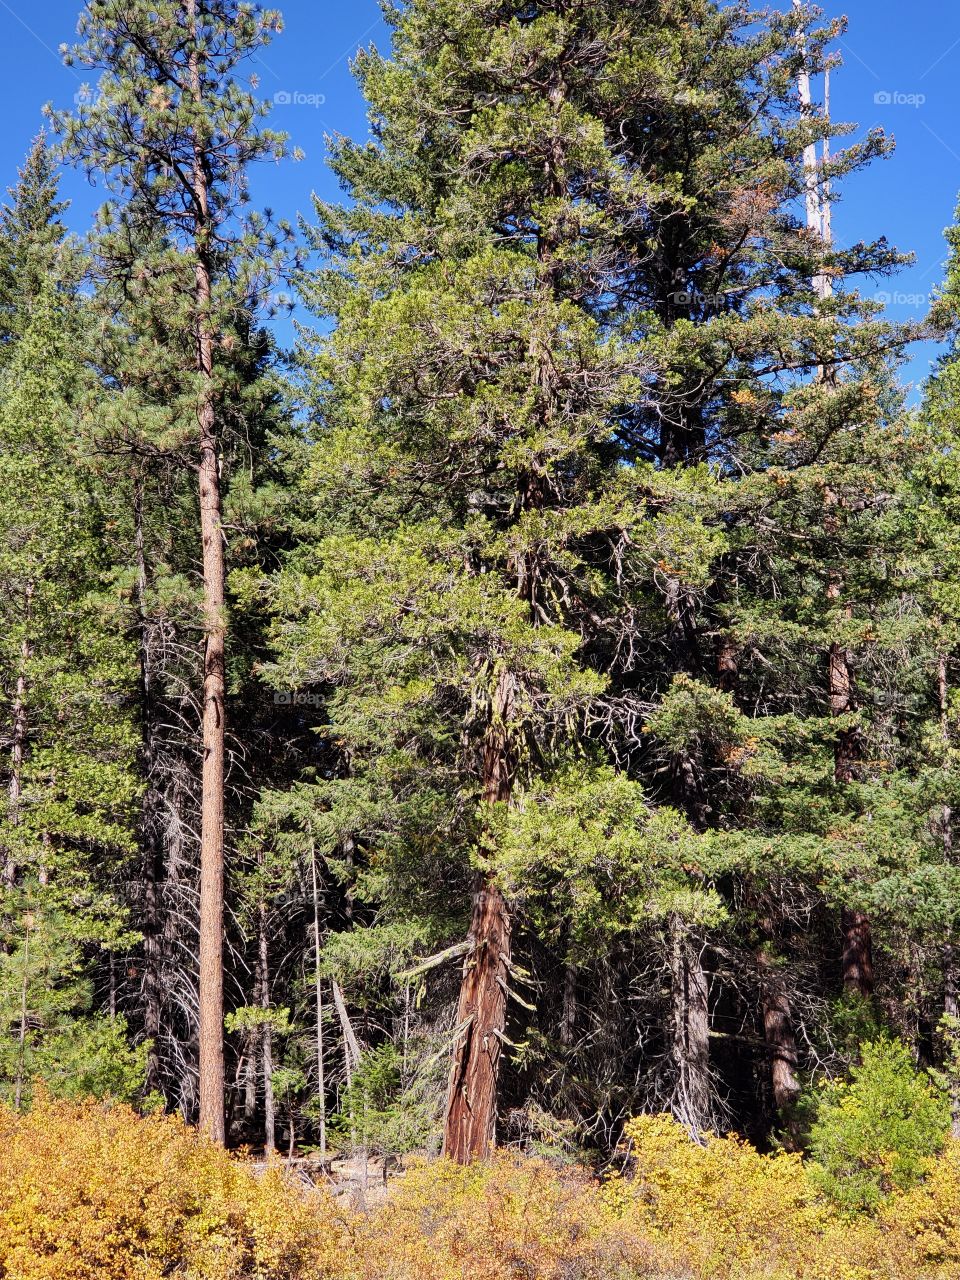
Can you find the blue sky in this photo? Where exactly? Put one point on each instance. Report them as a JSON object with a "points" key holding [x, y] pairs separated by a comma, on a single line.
{"points": [[901, 71]]}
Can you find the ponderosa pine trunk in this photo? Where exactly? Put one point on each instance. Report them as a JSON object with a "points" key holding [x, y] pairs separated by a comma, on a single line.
{"points": [[778, 1031], [212, 1119], [471, 1115]]}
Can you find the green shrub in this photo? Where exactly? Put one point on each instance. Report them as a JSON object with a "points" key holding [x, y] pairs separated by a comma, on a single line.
{"points": [[876, 1132]]}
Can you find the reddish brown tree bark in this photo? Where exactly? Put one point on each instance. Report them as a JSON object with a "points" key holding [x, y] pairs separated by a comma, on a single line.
{"points": [[212, 1119], [471, 1115], [778, 1031]]}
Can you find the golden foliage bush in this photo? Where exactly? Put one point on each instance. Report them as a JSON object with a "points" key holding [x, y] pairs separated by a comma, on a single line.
{"points": [[724, 1210], [501, 1220], [93, 1192], [90, 1191], [924, 1224]]}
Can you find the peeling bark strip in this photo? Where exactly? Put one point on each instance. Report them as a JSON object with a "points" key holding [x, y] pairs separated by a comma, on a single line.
{"points": [[471, 1119], [212, 1118], [470, 1130]]}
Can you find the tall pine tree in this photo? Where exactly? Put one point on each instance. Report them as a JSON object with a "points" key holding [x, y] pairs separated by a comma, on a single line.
{"points": [[175, 128]]}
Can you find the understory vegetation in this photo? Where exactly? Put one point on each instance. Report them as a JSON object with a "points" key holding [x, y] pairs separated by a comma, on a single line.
{"points": [[92, 1191]]}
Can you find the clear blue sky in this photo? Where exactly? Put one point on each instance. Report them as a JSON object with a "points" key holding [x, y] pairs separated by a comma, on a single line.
{"points": [[902, 67]]}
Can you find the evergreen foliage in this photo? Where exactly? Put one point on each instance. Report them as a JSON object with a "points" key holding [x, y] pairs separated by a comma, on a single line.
{"points": [[541, 680]]}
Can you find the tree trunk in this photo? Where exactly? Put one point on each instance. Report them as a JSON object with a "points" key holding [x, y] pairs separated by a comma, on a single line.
{"points": [[471, 1116], [251, 1047], [212, 1119], [778, 1032], [18, 747], [857, 956], [470, 1128], [321, 1073], [150, 819], [568, 1015], [951, 965], [266, 1035], [690, 1029], [728, 664]]}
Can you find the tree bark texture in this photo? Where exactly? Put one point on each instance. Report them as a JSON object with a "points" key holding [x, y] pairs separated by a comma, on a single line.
{"points": [[212, 1119], [778, 1031], [690, 1029], [471, 1116]]}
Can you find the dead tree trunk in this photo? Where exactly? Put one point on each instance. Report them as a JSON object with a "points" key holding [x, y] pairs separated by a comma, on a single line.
{"points": [[471, 1115], [266, 1033], [321, 1072], [18, 748], [212, 1119], [690, 1029], [150, 819]]}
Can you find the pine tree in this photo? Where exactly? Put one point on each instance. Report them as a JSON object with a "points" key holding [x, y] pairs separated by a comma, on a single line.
{"points": [[574, 371], [175, 129], [67, 826], [32, 237]]}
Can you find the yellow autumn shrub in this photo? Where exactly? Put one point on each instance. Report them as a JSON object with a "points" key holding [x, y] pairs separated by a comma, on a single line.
{"points": [[922, 1226], [91, 1191], [506, 1218], [722, 1210]]}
